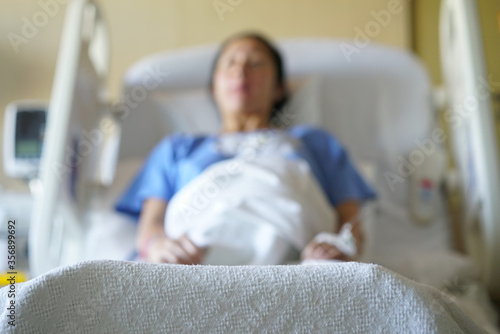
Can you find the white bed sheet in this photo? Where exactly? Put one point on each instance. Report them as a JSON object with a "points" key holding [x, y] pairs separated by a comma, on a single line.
{"points": [[111, 235], [413, 251]]}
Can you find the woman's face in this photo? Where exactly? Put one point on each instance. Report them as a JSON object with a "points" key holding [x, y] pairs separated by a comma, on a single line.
{"points": [[245, 80]]}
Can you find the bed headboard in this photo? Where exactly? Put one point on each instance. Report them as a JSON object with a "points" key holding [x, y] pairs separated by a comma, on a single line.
{"points": [[365, 96]]}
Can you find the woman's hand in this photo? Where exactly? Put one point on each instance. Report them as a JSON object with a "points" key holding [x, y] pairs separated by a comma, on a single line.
{"points": [[154, 245], [180, 251], [323, 251], [347, 211]]}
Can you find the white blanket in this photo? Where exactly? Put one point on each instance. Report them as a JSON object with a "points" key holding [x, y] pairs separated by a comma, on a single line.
{"points": [[258, 209], [126, 297]]}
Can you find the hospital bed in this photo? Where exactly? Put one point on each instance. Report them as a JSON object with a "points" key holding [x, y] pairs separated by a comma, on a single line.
{"points": [[378, 101]]}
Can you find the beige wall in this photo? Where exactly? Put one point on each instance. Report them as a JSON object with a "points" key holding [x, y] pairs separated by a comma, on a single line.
{"points": [[139, 28], [489, 10], [426, 35], [155, 25]]}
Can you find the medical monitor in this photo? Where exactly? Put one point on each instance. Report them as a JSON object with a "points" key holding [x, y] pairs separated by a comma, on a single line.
{"points": [[24, 130]]}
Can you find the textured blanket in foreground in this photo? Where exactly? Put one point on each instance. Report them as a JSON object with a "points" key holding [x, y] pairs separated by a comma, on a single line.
{"points": [[125, 297]]}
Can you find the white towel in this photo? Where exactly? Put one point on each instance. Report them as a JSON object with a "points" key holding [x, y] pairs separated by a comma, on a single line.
{"points": [[126, 297]]}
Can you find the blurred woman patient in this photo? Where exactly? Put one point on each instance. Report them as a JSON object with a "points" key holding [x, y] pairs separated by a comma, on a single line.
{"points": [[248, 86]]}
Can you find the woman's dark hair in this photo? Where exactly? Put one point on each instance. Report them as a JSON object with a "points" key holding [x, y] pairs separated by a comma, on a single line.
{"points": [[278, 107]]}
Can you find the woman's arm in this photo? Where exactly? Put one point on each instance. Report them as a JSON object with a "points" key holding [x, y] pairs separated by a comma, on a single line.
{"points": [[348, 212], [151, 221], [153, 242]]}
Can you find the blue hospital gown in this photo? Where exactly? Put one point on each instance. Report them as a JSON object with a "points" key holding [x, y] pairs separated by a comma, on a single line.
{"points": [[180, 158]]}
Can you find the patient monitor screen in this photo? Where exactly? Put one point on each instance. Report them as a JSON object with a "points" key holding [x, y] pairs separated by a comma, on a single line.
{"points": [[30, 128]]}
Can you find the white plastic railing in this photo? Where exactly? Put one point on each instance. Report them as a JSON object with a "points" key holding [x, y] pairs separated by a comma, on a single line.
{"points": [[473, 133], [56, 236]]}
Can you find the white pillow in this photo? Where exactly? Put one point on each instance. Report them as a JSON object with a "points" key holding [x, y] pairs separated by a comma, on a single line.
{"points": [[189, 111]]}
